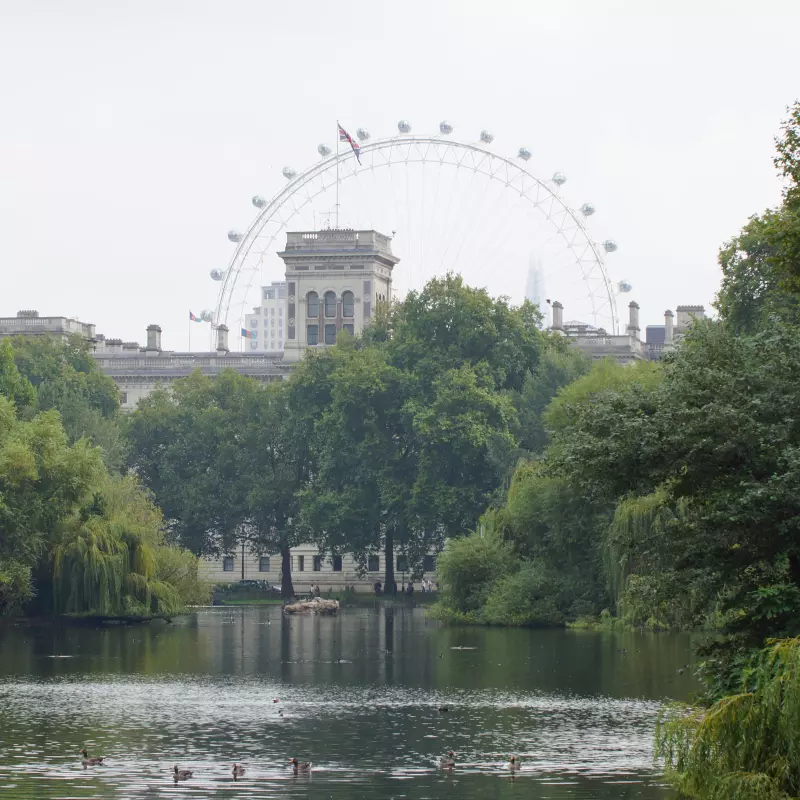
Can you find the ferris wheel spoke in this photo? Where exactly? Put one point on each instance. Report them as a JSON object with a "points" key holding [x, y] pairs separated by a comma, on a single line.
{"points": [[469, 225]]}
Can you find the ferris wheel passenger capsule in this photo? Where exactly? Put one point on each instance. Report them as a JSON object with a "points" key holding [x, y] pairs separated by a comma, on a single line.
{"points": [[404, 126], [363, 134], [609, 245], [524, 153], [323, 150], [288, 173], [623, 287], [487, 137], [587, 209], [206, 315], [559, 178], [217, 274], [445, 127], [258, 201], [235, 236]]}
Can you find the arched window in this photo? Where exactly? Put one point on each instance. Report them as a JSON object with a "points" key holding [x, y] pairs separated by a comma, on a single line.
{"points": [[330, 304], [312, 305], [348, 304]]}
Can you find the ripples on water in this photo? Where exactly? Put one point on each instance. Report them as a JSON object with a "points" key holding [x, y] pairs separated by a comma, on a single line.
{"points": [[359, 696]]}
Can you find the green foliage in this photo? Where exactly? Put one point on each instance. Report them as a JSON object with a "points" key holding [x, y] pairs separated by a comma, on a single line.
{"points": [[467, 568], [225, 459], [527, 597], [111, 559], [745, 746], [761, 266], [559, 365], [13, 384]]}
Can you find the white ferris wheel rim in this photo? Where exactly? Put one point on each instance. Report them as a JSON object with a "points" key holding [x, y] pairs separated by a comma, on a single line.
{"points": [[507, 170]]}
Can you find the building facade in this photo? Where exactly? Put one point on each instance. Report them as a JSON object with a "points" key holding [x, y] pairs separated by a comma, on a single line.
{"points": [[335, 279], [628, 348], [660, 339], [29, 323], [267, 323], [309, 568]]}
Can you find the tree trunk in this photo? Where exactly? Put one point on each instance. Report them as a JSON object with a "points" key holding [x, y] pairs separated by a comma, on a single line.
{"points": [[287, 589], [388, 554]]}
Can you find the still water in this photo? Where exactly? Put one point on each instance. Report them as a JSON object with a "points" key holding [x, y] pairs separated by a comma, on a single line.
{"points": [[357, 695]]}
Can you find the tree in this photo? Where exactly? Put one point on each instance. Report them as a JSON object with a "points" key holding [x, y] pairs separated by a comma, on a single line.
{"points": [[761, 266], [43, 482], [13, 385], [65, 377], [225, 460]]}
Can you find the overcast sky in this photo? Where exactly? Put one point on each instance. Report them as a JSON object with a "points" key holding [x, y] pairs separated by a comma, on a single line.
{"points": [[134, 132]]}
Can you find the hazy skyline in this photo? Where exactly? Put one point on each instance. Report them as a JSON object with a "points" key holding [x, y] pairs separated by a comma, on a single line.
{"points": [[134, 134]]}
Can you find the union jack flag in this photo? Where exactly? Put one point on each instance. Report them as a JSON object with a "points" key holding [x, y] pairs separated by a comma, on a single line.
{"points": [[344, 136]]}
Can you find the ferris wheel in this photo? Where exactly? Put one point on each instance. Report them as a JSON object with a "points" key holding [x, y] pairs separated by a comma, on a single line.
{"points": [[450, 205]]}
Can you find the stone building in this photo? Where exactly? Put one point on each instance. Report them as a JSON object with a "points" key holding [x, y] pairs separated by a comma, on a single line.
{"points": [[309, 567], [628, 347], [29, 323], [335, 280], [660, 339], [267, 323]]}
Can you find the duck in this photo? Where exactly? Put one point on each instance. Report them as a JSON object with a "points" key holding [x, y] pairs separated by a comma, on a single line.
{"points": [[238, 771], [181, 774], [94, 761], [444, 709], [301, 767], [513, 764], [448, 761]]}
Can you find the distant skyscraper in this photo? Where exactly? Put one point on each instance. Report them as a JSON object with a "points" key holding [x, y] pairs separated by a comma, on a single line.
{"points": [[534, 287]]}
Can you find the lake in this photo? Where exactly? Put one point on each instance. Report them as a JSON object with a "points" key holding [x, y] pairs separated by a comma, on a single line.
{"points": [[358, 695]]}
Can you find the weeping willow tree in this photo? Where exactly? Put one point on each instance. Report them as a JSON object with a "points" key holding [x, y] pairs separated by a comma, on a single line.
{"points": [[746, 746], [108, 560], [638, 561]]}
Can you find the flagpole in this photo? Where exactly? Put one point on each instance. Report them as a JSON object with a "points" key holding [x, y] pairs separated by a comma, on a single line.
{"points": [[190, 332], [337, 173]]}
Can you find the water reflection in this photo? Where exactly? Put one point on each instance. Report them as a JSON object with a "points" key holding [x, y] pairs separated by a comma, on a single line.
{"points": [[358, 695]]}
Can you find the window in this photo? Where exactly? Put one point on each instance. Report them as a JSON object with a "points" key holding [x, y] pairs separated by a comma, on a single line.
{"points": [[330, 334], [301, 563], [313, 334], [254, 323], [374, 563], [272, 312], [337, 563], [253, 345], [272, 323], [347, 304], [350, 328], [280, 312], [227, 564], [402, 564], [263, 564], [272, 344], [124, 399], [312, 305], [429, 564], [317, 564], [330, 304]]}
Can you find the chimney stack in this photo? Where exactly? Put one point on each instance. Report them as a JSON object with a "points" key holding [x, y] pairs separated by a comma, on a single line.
{"points": [[153, 338], [633, 319], [222, 339], [558, 316], [668, 332]]}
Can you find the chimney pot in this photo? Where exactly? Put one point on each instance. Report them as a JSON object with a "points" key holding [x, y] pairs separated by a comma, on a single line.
{"points": [[633, 319], [558, 316], [154, 338], [668, 327], [222, 339]]}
